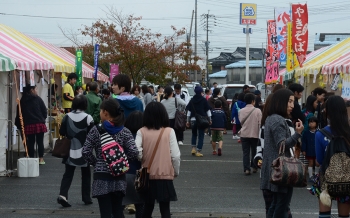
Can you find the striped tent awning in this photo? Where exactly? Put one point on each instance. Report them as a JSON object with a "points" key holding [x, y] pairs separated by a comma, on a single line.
{"points": [[70, 58], [334, 52], [340, 65], [6, 64], [24, 57], [33, 50]]}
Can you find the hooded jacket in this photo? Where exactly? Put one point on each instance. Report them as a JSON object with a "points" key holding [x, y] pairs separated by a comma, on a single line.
{"points": [[198, 104], [129, 103], [234, 110]]}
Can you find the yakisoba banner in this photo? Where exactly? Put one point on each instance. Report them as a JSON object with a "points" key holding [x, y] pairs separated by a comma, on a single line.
{"points": [[300, 31]]}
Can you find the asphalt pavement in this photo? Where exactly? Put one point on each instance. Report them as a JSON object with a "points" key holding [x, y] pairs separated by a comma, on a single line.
{"points": [[209, 186]]}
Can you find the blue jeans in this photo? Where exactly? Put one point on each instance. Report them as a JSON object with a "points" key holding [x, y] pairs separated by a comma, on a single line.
{"points": [[197, 132], [280, 204]]}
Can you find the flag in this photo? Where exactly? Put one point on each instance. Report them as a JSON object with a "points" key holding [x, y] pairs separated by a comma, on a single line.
{"points": [[292, 61], [96, 54], [79, 66], [283, 17], [300, 31], [113, 71]]}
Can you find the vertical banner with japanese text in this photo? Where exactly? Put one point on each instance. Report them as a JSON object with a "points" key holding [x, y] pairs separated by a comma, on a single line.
{"points": [[96, 54], [272, 55], [79, 66], [292, 61], [113, 71], [300, 31], [282, 18]]}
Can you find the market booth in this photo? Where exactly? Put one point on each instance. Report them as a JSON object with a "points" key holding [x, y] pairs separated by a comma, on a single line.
{"points": [[28, 61]]}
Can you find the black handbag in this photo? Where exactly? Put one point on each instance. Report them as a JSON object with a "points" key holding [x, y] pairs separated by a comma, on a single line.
{"points": [[142, 175], [202, 121], [180, 119], [62, 148]]}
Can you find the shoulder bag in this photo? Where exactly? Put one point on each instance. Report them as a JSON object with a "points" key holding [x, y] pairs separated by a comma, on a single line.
{"points": [[243, 121], [287, 171], [62, 147], [202, 121], [180, 119], [142, 175]]}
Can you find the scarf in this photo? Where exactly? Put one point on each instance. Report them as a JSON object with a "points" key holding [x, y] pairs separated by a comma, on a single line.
{"points": [[110, 128]]}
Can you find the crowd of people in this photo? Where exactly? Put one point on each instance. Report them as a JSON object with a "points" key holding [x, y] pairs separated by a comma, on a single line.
{"points": [[133, 116]]}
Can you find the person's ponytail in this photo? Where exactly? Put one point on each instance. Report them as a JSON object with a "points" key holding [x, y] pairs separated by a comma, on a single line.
{"points": [[168, 91]]}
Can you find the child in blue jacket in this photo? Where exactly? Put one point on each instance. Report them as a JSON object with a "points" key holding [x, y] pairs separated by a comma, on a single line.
{"points": [[234, 115], [308, 145], [218, 125]]}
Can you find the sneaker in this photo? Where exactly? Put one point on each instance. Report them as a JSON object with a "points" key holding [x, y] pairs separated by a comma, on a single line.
{"points": [[235, 137], [214, 152], [131, 209], [219, 152], [193, 152], [180, 143], [198, 154], [42, 162], [247, 172], [63, 201]]}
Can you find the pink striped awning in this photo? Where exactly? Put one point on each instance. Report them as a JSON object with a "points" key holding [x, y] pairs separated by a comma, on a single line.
{"points": [[339, 65], [70, 58], [24, 57]]}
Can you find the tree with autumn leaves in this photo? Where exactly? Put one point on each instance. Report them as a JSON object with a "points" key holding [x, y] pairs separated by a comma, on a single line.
{"points": [[139, 52]]}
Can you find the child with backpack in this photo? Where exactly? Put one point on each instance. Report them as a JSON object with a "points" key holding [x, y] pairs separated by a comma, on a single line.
{"points": [[308, 146], [218, 119], [107, 187], [333, 149]]}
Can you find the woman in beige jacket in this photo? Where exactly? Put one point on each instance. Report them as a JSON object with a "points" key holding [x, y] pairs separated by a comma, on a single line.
{"points": [[166, 162]]}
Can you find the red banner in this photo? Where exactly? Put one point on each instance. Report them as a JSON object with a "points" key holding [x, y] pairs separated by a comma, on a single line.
{"points": [[272, 54], [300, 32], [272, 73]]}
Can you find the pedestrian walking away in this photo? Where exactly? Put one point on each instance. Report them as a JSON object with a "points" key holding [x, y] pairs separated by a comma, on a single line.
{"points": [[94, 102], [108, 189], [75, 126], [218, 118], [170, 103], [34, 114], [132, 200], [166, 160], [217, 96], [197, 105], [250, 118], [234, 115]]}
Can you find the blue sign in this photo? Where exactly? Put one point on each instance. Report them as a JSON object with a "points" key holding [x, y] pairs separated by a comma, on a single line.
{"points": [[96, 54], [248, 11]]}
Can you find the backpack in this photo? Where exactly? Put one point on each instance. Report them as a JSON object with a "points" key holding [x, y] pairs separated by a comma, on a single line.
{"points": [[335, 169], [113, 153]]}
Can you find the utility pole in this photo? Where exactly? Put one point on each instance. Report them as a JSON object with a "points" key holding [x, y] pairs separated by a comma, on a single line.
{"points": [[206, 17], [189, 40], [262, 64], [247, 56], [195, 39]]}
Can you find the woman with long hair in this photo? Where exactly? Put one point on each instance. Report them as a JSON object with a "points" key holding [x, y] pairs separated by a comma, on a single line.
{"points": [[34, 114], [166, 163], [109, 190], [338, 125], [170, 102], [277, 132]]}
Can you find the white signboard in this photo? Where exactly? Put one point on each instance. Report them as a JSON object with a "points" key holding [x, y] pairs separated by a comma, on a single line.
{"points": [[345, 92], [334, 84]]}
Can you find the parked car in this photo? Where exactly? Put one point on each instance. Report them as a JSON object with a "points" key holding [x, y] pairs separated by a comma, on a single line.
{"points": [[229, 90]]}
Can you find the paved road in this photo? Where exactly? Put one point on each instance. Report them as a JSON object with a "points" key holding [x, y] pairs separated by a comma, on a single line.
{"points": [[209, 186]]}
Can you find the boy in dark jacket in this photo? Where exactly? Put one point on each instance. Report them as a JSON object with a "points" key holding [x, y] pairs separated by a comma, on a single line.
{"points": [[308, 146], [218, 118]]}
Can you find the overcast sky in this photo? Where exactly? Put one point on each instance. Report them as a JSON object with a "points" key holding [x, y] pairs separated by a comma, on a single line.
{"points": [[325, 16]]}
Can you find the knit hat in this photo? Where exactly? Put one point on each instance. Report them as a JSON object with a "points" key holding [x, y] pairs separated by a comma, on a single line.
{"points": [[198, 90]]}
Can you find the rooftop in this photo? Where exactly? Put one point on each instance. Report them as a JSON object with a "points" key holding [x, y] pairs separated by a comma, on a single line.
{"points": [[330, 38], [220, 74]]}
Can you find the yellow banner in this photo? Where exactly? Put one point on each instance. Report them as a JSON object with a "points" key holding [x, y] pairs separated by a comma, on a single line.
{"points": [[292, 61]]}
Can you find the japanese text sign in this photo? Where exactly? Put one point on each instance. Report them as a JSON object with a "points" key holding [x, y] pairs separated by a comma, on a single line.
{"points": [[282, 18], [272, 45], [96, 54], [79, 67], [247, 14], [113, 71], [300, 31]]}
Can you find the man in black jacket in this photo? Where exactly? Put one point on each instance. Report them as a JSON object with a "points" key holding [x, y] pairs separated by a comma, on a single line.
{"points": [[296, 114]]}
